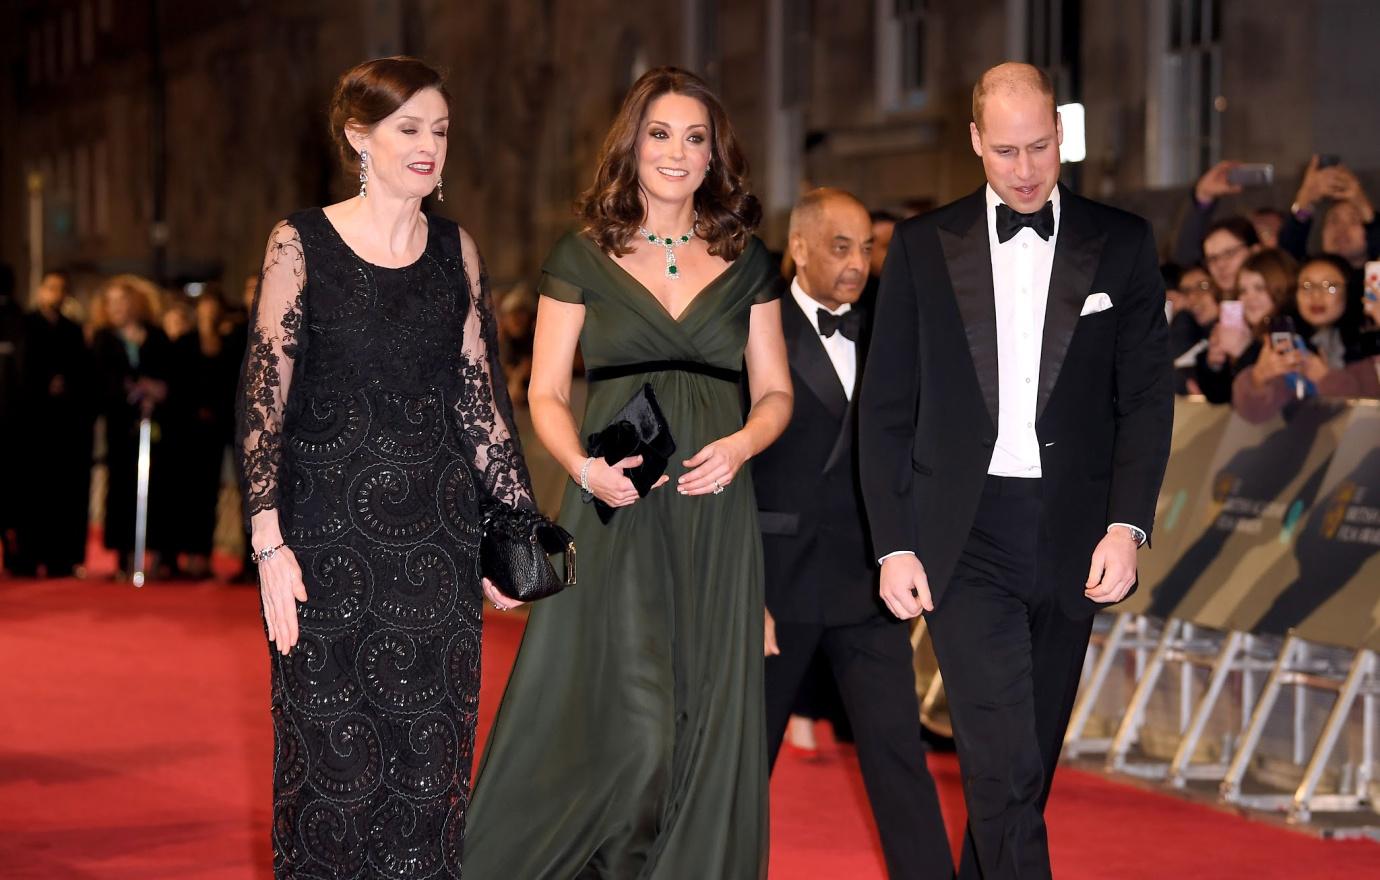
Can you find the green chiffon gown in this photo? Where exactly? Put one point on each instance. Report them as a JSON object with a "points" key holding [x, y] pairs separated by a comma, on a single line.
{"points": [[630, 742]]}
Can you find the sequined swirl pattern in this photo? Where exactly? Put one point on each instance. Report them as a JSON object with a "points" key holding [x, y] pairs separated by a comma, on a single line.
{"points": [[371, 423]]}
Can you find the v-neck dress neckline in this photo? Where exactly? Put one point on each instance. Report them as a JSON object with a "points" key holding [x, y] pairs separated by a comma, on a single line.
{"points": [[714, 282]]}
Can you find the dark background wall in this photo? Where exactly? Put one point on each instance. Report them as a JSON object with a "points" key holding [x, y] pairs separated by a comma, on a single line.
{"points": [[167, 137]]}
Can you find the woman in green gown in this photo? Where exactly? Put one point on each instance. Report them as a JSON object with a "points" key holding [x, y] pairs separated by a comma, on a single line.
{"points": [[630, 742]]}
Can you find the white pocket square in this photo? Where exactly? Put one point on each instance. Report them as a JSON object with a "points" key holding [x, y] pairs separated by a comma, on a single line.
{"points": [[1096, 302]]}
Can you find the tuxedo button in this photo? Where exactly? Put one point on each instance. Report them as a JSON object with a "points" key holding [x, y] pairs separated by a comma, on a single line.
{"points": [[988, 442]]}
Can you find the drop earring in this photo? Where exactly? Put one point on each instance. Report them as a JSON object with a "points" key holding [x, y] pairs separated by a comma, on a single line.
{"points": [[364, 174], [440, 190]]}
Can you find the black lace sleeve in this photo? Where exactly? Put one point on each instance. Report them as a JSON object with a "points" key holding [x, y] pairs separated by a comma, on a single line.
{"points": [[484, 409], [275, 327]]}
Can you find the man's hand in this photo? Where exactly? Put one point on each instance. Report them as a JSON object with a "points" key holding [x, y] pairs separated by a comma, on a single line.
{"points": [[1214, 184], [1113, 569], [769, 646], [905, 587]]}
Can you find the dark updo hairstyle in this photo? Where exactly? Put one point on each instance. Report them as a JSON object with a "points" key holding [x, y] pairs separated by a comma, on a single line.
{"points": [[612, 207], [369, 93]]}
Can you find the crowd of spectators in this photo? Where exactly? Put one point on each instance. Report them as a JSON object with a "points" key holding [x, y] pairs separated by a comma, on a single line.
{"points": [[130, 351], [77, 377], [1265, 308], [1274, 307]]}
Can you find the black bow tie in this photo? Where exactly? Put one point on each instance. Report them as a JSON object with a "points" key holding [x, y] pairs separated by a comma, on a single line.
{"points": [[848, 324], [1010, 221]]}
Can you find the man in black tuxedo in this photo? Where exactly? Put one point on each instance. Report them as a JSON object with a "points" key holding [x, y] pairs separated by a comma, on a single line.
{"points": [[1015, 422], [821, 577]]}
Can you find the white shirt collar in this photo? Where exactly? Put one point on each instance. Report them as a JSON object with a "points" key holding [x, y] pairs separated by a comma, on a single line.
{"points": [[993, 200], [811, 306]]}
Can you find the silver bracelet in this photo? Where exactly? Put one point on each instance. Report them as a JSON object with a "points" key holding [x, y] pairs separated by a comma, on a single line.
{"points": [[261, 556], [584, 476]]}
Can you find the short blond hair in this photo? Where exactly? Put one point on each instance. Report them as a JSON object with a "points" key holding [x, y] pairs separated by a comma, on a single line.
{"points": [[1011, 76]]}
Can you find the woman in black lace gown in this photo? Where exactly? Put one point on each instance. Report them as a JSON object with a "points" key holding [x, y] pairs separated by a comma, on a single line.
{"points": [[372, 418]]}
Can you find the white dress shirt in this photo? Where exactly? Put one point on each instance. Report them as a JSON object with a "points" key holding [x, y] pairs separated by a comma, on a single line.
{"points": [[842, 351], [1020, 285], [1021, 268]]}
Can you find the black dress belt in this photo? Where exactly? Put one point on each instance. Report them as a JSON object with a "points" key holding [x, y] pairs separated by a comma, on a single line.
{"points": [[603, 374]]}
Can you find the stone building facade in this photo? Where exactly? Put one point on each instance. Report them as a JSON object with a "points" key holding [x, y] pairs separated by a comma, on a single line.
{"points": [[143, 134]]}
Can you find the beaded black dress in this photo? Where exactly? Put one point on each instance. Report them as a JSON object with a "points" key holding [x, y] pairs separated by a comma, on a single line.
{"points": [[372, 416]]}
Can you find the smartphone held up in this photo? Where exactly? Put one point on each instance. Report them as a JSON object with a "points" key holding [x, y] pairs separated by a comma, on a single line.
{"points": [[1252, 174]]}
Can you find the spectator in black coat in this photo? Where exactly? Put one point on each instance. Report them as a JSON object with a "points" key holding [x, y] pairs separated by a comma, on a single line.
{"points": [[133, 363], [58, 414]]}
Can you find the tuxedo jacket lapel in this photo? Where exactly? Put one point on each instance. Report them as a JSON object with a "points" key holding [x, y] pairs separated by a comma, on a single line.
{"points": [[844, 441], [1076, 254], [968, 256], [808, 358]]}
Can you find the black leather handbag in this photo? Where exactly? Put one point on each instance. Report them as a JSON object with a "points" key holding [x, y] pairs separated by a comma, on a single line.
{"points": [[515, 550]]}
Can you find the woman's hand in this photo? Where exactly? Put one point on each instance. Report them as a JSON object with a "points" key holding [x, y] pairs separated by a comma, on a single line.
{"points": [[1317, 183], [1215, 183], [497, 598], [1347, 188], [769, 646], [280, 588], [1370, 303], [1216, 354], [610, 486], [1273, 364], [1233, 339], [1312, 366], [714, 466]]}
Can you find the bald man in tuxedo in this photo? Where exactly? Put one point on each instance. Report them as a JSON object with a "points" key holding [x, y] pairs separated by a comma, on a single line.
{"points": [[821, 585]]}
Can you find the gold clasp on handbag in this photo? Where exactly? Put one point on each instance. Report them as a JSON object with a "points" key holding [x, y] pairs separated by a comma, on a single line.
{"points": [[570, 564]]}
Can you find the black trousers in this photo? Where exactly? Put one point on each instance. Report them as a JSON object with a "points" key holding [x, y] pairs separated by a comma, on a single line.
{"points": [[1011, 661], [871, 662]]}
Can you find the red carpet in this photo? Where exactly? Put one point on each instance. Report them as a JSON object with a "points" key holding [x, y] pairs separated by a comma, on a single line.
{"points": [[135, 743]]}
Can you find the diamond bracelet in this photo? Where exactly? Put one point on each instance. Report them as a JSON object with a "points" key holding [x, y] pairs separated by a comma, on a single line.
{"points": [[261, 556], [584, 478]]}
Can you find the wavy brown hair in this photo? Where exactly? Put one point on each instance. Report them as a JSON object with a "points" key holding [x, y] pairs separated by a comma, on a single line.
{"points": [[1280, 273], [612, 207]]}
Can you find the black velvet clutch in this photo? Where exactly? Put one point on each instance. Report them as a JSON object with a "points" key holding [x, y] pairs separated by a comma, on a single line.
{"points": [[639, 428]]}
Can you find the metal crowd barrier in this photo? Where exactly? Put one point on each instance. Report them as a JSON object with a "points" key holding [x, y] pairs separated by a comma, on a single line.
{"points": [[1264, 582]]}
